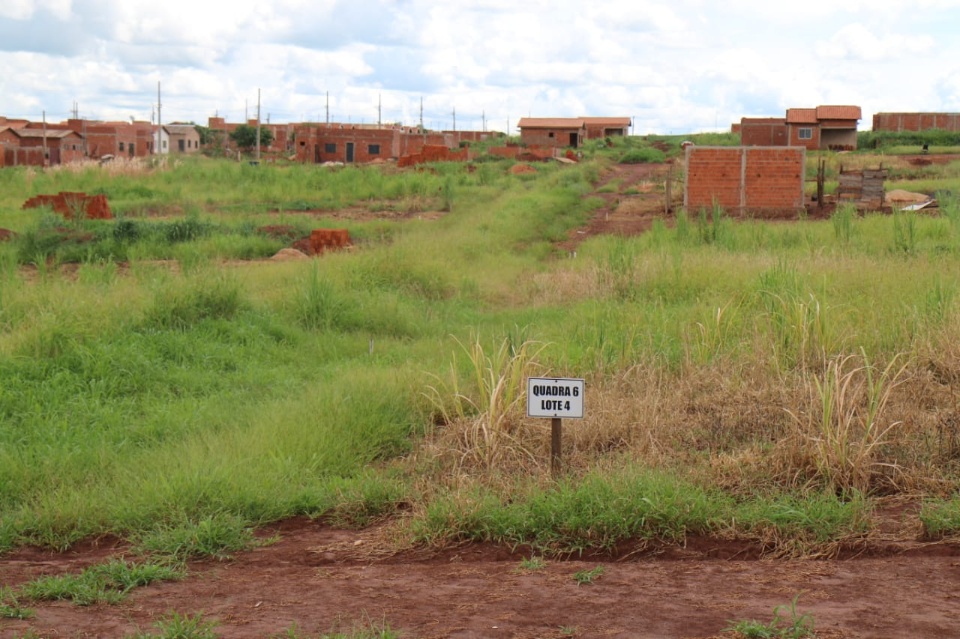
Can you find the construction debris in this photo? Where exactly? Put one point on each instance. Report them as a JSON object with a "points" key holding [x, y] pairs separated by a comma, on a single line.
{"points": [[71, 205]]}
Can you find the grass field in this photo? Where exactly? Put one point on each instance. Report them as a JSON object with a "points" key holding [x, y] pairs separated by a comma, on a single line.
{"points": [[768, 381]]}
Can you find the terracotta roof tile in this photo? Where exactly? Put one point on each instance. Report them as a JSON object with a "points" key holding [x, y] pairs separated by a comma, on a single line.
{"points": [[838, 112], [801, 116], [550, 123], [51, 133], [608, 121]]}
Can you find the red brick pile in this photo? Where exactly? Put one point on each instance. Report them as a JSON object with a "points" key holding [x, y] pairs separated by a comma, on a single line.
{"points": [[434, 153], [321, 240], [66, 203], [525, 153]]}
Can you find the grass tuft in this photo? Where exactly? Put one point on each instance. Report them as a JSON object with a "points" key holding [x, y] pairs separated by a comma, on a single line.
{"points": [[103, 583]]}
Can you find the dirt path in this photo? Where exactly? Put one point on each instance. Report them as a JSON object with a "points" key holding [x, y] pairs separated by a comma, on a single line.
{"points": [[316, 579], [633, 197]]}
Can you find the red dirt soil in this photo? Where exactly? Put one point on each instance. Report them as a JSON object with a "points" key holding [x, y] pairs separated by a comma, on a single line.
{"points": [[317, 579]]}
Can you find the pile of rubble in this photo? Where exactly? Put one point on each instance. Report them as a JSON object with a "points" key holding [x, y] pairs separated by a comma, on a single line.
{"points": [[322, 240], [71, 205]]}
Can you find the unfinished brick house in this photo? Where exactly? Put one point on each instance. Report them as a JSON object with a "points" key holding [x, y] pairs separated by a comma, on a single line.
{"points": [[105, 138], [281, 144], [182, 138], [600, 128], [763, 131], [345, 143], [916, 121], [357, 143], [414, 140], [553, 132], [743, 180], [38, 147], [823, 127]]}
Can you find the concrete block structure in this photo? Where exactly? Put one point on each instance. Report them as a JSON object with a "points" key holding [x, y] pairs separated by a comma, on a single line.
{"points": [[745, 179]]}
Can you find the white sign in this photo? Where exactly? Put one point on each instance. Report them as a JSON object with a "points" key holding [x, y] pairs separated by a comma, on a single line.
{"points": [[553, 397]]}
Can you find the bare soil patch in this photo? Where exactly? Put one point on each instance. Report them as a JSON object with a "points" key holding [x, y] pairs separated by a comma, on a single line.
{"points": [[317, 578], [638, 199]]}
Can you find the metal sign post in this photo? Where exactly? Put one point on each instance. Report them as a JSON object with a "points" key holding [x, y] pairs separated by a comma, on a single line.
{"points": [[555, 398]]}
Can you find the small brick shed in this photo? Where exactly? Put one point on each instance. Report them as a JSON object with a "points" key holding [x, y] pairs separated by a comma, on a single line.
{"points": [[745, 179]]}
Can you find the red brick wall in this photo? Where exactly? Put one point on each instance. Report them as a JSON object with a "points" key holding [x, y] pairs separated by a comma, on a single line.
{"points": [[763, 131], [311, 142], [793, 136], [434, 153], [601, 131], [412, 143], [557, 138], [23, 157], [7, 136], [916, 121], [745, 178]]}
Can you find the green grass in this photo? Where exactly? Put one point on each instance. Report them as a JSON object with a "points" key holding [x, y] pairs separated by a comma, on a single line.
{"points": [[177, 626], [103, 583], [183, 403], [588, 576], [793, 625], [11, 607], [941, 519], [214, 537]]}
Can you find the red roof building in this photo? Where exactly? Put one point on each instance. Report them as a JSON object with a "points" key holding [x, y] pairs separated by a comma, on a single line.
{"points": [[553, 132], [39, 147], [823, 127]]}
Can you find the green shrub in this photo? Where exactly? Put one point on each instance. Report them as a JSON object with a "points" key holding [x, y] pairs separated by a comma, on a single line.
{"points": [[647, 155]]}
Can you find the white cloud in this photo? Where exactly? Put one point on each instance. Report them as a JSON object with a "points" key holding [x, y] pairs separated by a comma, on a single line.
{"points": [[682, 64], [856, 42], [26, 9]]}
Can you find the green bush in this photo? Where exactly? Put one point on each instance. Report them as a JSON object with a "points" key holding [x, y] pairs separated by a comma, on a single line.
{"points": [[648, 155]]}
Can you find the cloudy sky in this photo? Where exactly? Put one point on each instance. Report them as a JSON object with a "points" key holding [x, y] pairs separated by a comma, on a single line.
{"points": [[675, 66]]}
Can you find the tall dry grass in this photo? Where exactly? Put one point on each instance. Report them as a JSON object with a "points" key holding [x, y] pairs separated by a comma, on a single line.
{"points": [[481, 416], [841, 438]]}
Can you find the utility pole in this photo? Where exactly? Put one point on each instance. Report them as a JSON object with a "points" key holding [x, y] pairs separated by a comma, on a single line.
{"points": [[258, 125], [421, 113], [379, 110], [454, 118], [44, 137], [483, 116], [328, 107], [159, 148]]}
